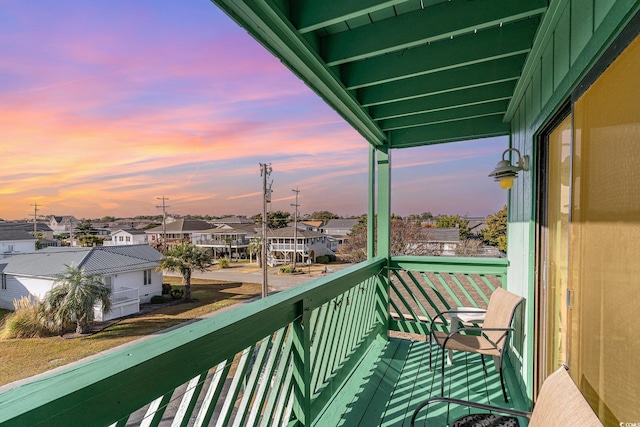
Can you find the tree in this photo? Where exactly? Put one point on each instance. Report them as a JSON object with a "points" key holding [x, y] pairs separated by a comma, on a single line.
{"points": [[73, 298], [324, 216], [255, 248], [85, 227], [454, 221], [495, 234], [407, 238], [184, 259], [277, 219]]}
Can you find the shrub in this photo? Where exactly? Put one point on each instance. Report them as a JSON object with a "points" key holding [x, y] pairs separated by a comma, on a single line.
{"points": [[26, 321], [223, 263], [159, 299], [286, 269], [324, 259], [177, 293], [166, 288]]}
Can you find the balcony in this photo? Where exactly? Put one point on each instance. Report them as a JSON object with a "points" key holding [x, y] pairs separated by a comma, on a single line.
{"points": [[317, 354], [124, 301]]}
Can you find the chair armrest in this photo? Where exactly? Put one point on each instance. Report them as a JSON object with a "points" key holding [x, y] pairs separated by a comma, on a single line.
{"points": [[442, 313], [472, 328], [507, 411]]}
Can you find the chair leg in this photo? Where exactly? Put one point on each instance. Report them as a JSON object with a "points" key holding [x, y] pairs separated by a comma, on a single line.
{"points": [[442, 373], [504, 390], [430, 352], [484, 366]]}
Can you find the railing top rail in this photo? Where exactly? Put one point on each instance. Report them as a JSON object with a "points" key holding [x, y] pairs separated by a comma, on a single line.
{"points": [[450, 264], [118, 383]]}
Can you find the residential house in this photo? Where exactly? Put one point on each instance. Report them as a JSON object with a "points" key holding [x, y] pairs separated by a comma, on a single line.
{"points": [[225, 240], [338, 231], [62, 224], [127, 237], [440, 241], [130, 271], [40, 227], [179, 231], [307, 225], [558, 81], [14, 242], [281, 247], [232, 220]]}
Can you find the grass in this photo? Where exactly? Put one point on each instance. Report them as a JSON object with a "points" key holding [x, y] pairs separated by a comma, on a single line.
{"points": [[22, 358]]}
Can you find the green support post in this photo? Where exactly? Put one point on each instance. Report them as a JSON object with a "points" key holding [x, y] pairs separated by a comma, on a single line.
{"points": [[371, 205], [383, 244], [302, 365]]}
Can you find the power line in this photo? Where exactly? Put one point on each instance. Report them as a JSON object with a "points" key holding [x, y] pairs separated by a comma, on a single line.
{"points": [[265, 172], [35, 218], [295, 229], [164, 220]]}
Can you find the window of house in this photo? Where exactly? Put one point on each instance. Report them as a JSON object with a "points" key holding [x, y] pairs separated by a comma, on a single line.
{"points": [[147, 277], [128, 238], [3, 279], [10, 248]]}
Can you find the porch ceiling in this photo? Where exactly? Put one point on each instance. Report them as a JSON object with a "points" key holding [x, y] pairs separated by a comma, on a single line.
{"points": [[402, 72]]}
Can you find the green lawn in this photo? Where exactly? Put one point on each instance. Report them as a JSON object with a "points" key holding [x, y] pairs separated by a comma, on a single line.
{"points": [[22, 358]]}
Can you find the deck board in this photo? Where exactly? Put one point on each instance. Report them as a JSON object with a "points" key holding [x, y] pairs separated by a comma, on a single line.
{"points": [[386, 392]]}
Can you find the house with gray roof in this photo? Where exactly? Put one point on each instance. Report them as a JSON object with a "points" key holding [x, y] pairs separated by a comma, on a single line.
{"points": [[179, 231], [129, 270], [127, 237], [14, 242]]}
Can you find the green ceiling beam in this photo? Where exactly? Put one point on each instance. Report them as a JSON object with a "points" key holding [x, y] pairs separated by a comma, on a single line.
{"points": [[311, 15], [445, 81], [444, 101], [448, 115], [482, 127], [443, 20], [275, 32], [487, 45]]}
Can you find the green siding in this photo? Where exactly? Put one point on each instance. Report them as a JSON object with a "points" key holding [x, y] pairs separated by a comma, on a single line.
{"points": [[561, 47], [581, 26], [574, 33]]}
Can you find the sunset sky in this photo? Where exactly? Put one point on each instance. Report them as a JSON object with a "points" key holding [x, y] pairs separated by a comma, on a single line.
{"points": [[107, 105]]}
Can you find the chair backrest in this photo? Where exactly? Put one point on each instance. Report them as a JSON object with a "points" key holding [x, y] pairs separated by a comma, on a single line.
{"points": [[500, 312], [561, 404]]}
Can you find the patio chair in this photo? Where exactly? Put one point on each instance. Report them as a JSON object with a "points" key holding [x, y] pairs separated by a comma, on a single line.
{"points": [[559, 404], [490, 339]]}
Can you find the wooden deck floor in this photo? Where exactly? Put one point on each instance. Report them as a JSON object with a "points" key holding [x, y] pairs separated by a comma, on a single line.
{"points": [[394, 378]]}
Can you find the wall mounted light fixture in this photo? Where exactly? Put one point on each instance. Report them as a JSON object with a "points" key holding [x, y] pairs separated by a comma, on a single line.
{"points": [[505, 172]]}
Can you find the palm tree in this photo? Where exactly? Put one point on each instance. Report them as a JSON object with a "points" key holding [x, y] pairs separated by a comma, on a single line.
{"points": [[73, 298], [183, 259]]}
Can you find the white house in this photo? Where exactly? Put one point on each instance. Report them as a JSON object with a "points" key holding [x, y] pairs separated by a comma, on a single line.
{"points": [[127, 237], [223, 240], [63, 223], [281, 247], [14, 242], [129, 270], [178, 231]]}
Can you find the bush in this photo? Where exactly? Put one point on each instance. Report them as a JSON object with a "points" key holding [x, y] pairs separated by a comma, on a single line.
{"points": [[288, 269], [177, 293], [166, 288], [159, 299], [324, 259], [26, 321], [223, 263]]}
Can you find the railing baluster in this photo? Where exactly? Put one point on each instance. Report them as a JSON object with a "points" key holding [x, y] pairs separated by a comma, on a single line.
{"points": [[156, 409], [213, 393], [234, 389], [189, 399]]}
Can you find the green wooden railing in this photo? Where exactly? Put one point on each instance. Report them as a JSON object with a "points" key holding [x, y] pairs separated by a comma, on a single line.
{"points": [[423, 286], [272, 362], [277, 361]]}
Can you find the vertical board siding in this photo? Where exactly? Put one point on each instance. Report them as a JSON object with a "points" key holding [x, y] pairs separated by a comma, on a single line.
{"points": [[561, 47], [581, 26]]}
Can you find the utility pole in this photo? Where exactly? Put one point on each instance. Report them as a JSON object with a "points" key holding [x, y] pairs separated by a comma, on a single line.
{"points": [[265, 171], [295, 229], [35, 218], [164, 220]]}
